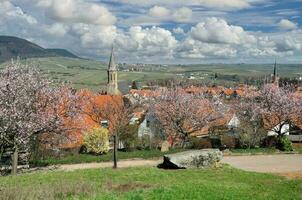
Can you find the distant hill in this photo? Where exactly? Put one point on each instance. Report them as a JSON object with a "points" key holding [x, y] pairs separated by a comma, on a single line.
{"points": [[13, 47], [62, 52]]}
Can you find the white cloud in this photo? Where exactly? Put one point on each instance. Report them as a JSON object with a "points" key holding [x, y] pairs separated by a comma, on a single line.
{"points": [[215, 30], [216, 4], [95, 37], [8, 11], [57, 29], [287, 25], [178, 30], [183, 14], [159, 11], [148, 42], [195, 49], [77, 11], [157, 15]]}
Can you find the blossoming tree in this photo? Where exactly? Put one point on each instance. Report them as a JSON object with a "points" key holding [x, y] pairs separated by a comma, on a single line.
{"points": [[31, 104], [181, 114]]}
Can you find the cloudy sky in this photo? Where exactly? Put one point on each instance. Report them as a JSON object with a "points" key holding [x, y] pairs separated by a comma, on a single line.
{"points": [[162, 31]]}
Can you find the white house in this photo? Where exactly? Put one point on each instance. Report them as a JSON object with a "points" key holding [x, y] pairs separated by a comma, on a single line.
{"points": [[284, 130], [234, 122]]}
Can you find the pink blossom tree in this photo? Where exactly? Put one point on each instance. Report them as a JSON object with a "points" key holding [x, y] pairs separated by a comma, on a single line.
{"points": [[31, 104], [181, 114], [279, 106]]}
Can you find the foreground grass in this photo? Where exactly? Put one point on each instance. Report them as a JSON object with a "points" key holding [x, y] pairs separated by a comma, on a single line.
{"points": [[87, 158], [149, 183]]}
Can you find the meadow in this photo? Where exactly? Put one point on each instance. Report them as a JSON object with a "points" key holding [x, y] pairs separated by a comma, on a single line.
{"points": [[149, 183]]}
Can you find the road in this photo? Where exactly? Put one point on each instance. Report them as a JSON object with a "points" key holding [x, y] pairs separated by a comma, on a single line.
{"points": [[282, 163]]}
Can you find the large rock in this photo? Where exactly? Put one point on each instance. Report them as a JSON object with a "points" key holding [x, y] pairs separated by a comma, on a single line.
{"points": [[192, 159]]}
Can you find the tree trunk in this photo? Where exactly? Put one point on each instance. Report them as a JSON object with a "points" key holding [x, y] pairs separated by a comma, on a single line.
{"points": [[115, 151], [15, 161]]}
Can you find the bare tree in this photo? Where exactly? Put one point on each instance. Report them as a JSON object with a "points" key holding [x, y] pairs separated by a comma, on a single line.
{"points": [[30, 104], [181, 114]]}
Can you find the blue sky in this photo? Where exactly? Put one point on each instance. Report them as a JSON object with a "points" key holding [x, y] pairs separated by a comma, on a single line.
{"points": [[156, 31]]}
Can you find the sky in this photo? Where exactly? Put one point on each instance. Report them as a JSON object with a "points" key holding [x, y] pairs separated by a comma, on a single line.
{"points": [[162, 31]]}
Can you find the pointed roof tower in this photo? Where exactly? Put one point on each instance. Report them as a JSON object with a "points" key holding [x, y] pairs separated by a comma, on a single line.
{"points": [[112, 65], [275, 69]]}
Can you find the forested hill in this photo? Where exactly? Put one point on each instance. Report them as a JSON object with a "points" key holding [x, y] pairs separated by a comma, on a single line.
{"points": [[13, 47]]}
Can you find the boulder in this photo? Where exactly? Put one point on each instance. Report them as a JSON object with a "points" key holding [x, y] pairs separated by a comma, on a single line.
{"points": [[192, 159], [165, 146]]}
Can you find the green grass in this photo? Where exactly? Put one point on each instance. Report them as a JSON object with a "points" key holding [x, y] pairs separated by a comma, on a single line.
{"points": [[87, 158], [150, 183], [298, 149]]}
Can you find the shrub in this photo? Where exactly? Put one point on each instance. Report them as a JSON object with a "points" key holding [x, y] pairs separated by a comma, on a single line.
{"points": [[128, 135], [200, 143], [144, 142], [96, 140], [249, 138], [284, 144], [270, 142]]}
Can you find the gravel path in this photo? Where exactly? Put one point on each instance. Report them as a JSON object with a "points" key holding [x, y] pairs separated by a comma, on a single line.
{"points": [[278, 164], [120, 164], [267, 163]]}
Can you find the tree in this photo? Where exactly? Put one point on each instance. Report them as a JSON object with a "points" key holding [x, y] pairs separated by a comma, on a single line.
{"points": [[31, 104], [181, 114], [128, 135], [279, 106], [110, 108], [118, 115], [251, 126]]}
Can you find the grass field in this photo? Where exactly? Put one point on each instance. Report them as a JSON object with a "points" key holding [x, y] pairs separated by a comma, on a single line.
{"points": [[91, 74], [150, 183], [87, 158]]}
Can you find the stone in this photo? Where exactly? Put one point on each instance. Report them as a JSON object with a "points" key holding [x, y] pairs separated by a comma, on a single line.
{"points": [[192, 159], [165, 146]]}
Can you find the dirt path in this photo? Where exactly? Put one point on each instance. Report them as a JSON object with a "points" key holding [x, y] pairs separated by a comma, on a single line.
{"points": [[266, 163], [121, 164]]}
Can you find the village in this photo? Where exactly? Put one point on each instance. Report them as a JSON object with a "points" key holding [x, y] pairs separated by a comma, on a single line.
{"points": [[147, 100], [166, 118], [143, 123]]}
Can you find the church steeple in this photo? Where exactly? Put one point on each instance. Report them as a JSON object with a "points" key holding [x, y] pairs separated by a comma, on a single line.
{"points": [[275, 68], [275, 78], [112, 83], [112, 65]]}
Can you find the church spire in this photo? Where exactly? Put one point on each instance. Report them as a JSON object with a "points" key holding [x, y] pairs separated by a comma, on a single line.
{"points": [[275, 68], [112, 84], [275, 78], [112, 65]]}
